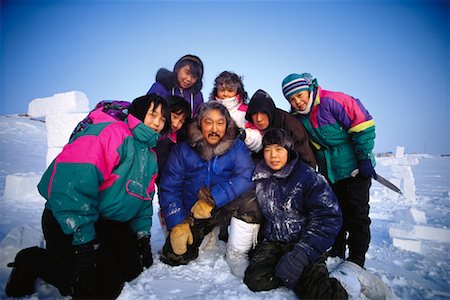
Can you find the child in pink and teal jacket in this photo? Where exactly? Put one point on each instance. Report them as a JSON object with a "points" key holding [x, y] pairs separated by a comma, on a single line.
{"points": [[98, 214]]}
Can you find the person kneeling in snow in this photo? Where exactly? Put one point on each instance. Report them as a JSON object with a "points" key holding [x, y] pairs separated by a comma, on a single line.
{"points": [[301, 219], [206, 179], [98, 214]]}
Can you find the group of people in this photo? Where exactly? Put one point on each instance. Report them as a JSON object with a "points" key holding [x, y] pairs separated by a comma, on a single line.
{"points": [[284, 189]]}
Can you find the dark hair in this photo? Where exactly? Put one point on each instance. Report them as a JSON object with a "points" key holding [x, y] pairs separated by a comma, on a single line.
{"points": [[196, 68], [194, 62], [278, 136], [230, 80], [140, 106], [179, 105], [210, 105]]}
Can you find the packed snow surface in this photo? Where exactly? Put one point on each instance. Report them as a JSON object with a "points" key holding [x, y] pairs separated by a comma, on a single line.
{"points": [[409, 249]]}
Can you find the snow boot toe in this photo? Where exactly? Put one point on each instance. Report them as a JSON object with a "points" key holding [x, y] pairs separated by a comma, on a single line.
{"points": [[348, 279], [372, 286], [237, 260]]}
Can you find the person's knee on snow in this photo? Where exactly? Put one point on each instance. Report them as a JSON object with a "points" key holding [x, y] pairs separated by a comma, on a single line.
{"points": [[259, 275]]}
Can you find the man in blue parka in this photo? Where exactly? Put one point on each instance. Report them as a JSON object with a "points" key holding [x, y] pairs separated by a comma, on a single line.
{"points": [[205, 180]]}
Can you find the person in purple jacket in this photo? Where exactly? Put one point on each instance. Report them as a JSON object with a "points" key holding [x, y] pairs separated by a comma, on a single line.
{"points": [[185, 81]]}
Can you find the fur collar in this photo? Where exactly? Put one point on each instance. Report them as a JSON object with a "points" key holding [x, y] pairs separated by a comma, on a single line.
{"points": [[205, 150], [168, 80], [263, 171]]}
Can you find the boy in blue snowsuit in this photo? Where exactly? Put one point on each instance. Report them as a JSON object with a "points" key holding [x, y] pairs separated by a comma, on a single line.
{"points": [[301, 220]]}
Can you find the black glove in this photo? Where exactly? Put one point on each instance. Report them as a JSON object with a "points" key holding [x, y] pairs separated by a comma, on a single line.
{"points": [[241, 134], [84, 270], [290, 266], [366, 169], [145, 251]]}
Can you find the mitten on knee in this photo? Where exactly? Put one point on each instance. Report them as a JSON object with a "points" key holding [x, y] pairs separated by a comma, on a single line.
{"points": [[290, 266], [205, 204], [180, 237]]}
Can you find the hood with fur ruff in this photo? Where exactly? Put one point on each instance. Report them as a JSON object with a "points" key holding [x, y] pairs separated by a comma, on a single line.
{"points": [[168, 80], [203, 148]]}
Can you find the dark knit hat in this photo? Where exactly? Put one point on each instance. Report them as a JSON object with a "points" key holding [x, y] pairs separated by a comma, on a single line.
{"points": [[278, 136], [295, 83], [139, 108]]}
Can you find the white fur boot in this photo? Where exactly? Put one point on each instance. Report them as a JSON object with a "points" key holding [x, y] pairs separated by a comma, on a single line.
{"points": [[372, 286], [243, 236], [210, 240], [348, 279]]}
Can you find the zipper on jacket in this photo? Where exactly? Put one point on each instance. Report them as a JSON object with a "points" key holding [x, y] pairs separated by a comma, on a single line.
{"points": [[208, 178]]}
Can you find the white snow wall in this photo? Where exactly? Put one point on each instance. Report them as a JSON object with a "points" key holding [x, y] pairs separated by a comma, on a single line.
{"points": [[62, 113], [70, 102]]}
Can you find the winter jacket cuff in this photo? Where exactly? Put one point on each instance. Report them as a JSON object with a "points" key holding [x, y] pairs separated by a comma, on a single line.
{"points": [[84, 235]]}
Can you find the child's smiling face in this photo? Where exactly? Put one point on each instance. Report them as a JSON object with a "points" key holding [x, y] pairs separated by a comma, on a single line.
{"points": [[226, 92], [275, 156], [300, 100], [185, 77]]}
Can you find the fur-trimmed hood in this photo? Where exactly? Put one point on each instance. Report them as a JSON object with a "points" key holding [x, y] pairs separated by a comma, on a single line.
{"points": [[203, 148], [168, 80]]}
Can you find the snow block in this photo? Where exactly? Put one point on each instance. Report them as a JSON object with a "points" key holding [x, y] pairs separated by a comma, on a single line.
{"points": [[22, 186], [408, 245], [23, 236], [405, 174], [70, 102], [399, 151], [419, 216], [406, 160], [421, 232], [60, 127], [52, 153], [402, 172], [409, 189], [397, 182]]}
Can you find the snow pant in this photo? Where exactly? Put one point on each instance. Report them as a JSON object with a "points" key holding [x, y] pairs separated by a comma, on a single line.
{"points": [[353, 196], [245, 207], [314, 282], [117, 258]]}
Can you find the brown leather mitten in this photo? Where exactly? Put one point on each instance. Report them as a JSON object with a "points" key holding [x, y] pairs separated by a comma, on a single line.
{"points": [[204, 205], [180, 236]]}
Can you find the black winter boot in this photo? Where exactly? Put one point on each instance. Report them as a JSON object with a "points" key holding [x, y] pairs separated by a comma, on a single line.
{"points": [[21, 281]]}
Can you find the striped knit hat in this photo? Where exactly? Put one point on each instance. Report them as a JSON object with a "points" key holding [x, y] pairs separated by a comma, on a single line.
{"points": [[295, 83]]}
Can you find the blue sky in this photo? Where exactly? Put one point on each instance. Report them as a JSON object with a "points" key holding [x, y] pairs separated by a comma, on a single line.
{"points": [[392, 55]]}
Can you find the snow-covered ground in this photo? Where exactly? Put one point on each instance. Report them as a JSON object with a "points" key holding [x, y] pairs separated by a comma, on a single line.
{"points": [[409, 250]]}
